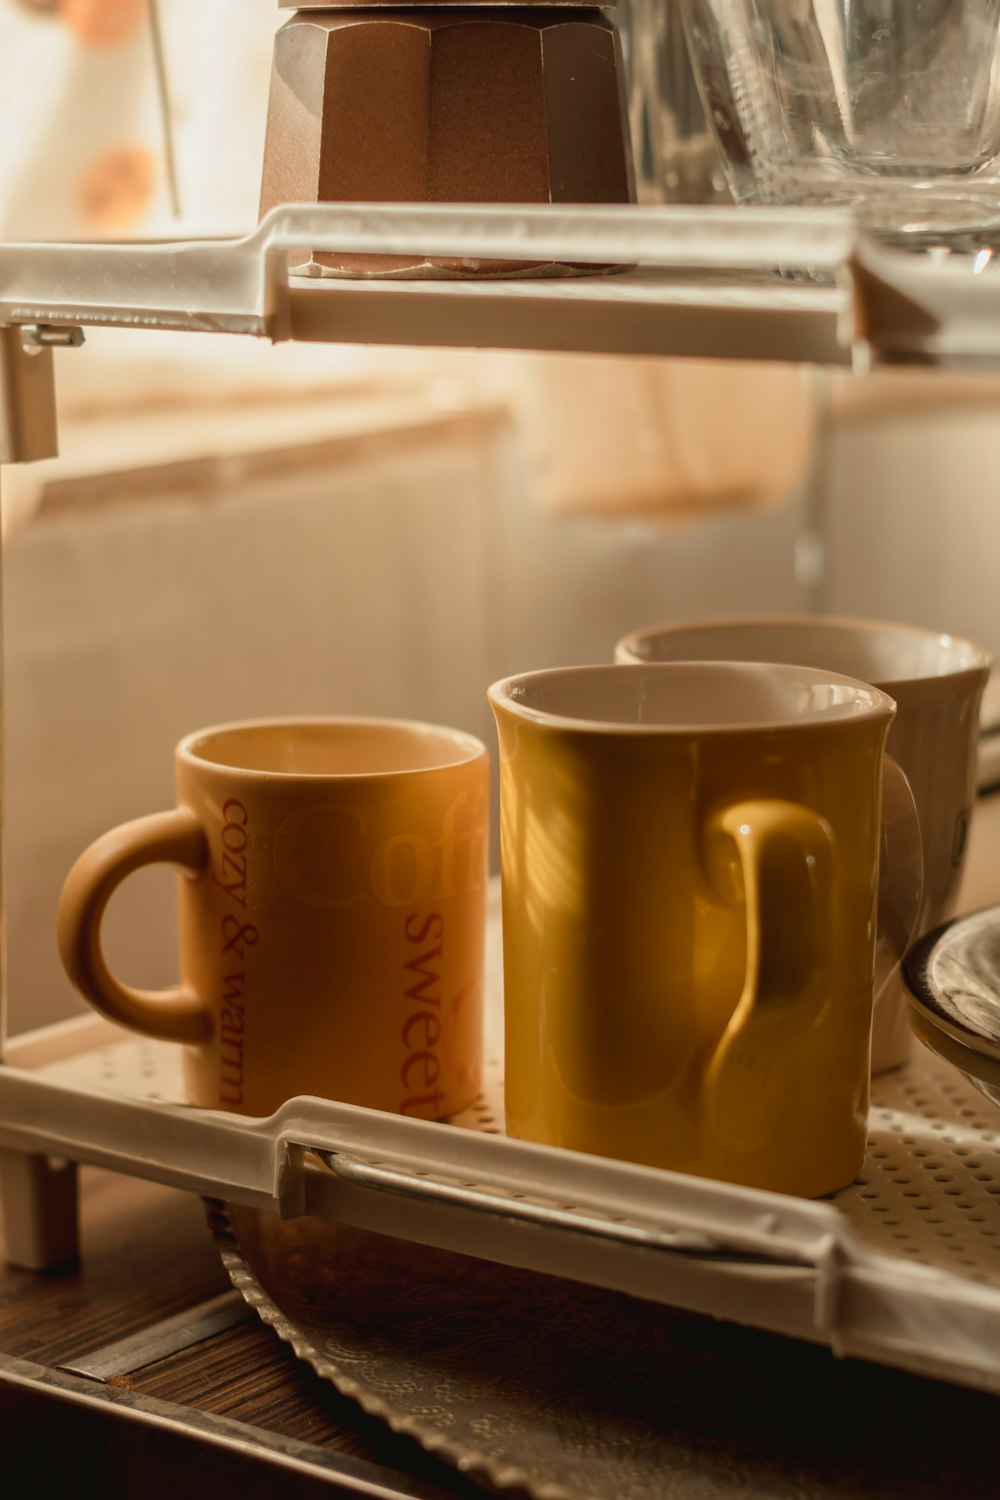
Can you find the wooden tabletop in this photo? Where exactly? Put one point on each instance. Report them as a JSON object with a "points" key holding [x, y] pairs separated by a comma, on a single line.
{"points": [[140, 1370], [144, 1364]]}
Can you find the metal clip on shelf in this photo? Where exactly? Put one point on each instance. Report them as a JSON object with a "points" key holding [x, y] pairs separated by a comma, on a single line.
{"points": [[27, 395]]}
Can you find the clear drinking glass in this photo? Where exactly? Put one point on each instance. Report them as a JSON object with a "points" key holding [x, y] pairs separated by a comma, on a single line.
{"points": [[891, 106], [676, 158]]}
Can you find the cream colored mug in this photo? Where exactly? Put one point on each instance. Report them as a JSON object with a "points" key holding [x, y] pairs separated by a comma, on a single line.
{"points": [[937, 682], [332, 914], [690, 860]]}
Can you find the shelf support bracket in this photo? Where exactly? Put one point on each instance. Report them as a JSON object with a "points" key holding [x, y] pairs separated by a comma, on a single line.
{"points": [[27, 399]]}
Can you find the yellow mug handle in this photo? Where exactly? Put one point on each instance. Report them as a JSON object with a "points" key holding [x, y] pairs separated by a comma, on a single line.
{"points": [[777, 858], [176, 838]]}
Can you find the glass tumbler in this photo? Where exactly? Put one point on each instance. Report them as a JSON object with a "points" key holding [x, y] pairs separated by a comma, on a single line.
{"points": [[890, 106], [676, 158]]}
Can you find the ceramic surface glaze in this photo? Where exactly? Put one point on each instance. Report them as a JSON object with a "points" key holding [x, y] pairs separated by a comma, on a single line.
{"points": [[689, 915], [332, 911]]}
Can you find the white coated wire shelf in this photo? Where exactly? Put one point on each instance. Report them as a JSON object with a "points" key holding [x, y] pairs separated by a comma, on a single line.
{"points": [[902, 1268], [712, 282]]}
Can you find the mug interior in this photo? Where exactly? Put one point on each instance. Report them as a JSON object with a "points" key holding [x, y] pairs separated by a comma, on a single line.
{"points": [[687, 695], [883, 654], [332, 747]]}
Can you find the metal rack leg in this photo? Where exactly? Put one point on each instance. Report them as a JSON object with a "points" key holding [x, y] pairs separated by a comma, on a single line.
{"points": [[40, 1218], [38, 1197]]}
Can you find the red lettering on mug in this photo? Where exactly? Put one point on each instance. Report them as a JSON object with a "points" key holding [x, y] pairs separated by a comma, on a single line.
{"points": [[233, 990], [428, 977], [235, 937], [431, 1069], [234, 838], [231, 1070], [426, 923], [234, 842], [234, 883], [420, 1031], [431, 1027]]}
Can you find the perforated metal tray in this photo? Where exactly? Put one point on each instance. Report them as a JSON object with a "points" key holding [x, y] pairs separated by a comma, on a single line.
{"points": [[903, 1267]]}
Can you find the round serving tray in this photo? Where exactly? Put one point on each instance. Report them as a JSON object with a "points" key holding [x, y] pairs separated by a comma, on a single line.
{"points": [[567, 1392]]}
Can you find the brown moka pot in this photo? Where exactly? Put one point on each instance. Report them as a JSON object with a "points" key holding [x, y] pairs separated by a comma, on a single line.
{"points": [[462, 104]]}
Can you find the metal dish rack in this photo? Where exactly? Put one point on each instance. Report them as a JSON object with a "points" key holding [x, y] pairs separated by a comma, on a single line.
{"points": [[901, 1268]]}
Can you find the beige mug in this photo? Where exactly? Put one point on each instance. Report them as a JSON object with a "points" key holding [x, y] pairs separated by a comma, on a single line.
{"points": [[332, 914], [937, 682]]}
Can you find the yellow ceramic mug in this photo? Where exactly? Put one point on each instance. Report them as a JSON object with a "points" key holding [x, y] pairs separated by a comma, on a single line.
{"points": [[332, 914], [690, 862]]}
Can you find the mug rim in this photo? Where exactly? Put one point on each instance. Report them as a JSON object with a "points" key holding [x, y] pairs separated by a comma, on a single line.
{"points": [[980, 658], [501, 695], [459, 738]]}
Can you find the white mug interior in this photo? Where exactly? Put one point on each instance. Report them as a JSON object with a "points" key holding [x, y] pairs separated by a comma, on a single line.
{"points": [[687, 696], [885, 654]]}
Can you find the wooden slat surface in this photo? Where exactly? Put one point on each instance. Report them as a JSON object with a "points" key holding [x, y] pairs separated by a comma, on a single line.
{"points": [[147, 1254]]}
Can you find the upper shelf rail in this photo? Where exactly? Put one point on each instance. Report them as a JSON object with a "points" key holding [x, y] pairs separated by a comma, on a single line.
{"points": [[765, 283]]}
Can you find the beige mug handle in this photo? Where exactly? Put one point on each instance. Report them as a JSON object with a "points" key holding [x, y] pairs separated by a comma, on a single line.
{"points": [[901, 874], [175, 838]]}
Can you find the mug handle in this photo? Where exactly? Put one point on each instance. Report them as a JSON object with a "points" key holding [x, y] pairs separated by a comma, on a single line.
{"points": [[176, 838], [785, 853], [901, 874], [776, 858]]}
